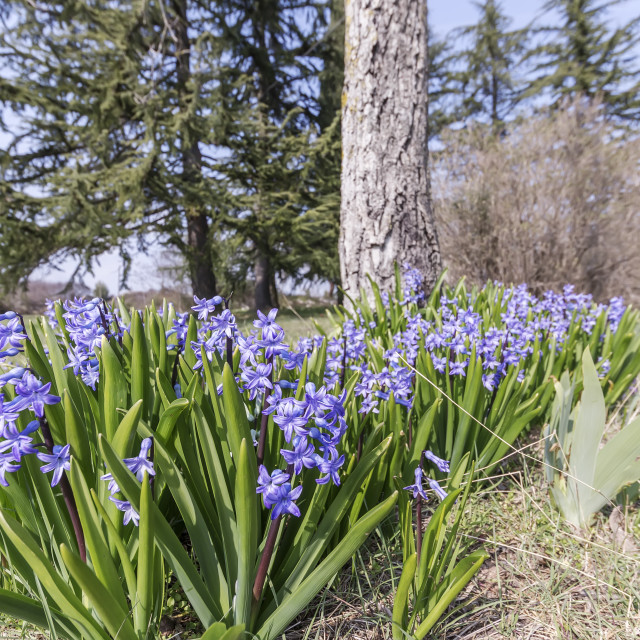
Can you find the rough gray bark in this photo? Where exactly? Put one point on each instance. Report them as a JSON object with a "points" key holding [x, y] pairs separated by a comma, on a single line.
{"points": [[386, 211]]}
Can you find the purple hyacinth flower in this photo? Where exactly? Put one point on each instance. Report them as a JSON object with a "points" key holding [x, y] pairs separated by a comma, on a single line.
{"points": [[137, 465], [284, 501], [270, 330], [439, 364], [443, 465], [11, 334], [303, 454], [330, 466], [290, 417], [257, 380], [130, 514], [458, 368], [19, 442], [440, 492], [33, 394], [268, 484], [7, 466], [7, 415], [206, 307], [58, 461], [140, 464], [416, 488]]}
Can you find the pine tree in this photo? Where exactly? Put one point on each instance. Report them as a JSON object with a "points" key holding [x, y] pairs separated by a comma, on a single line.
{"points": [[108, 143], [486, 75], [269, 189], [443, 90], [182, 120], [587, 57]]}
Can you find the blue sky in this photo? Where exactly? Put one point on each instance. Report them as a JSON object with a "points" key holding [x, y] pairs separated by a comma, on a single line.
{"points": [[444, 15]]}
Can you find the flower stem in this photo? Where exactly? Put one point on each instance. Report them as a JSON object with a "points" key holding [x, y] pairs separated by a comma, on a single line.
{"points": [[418, 528], [343, 373], [264, 421], [419, 518], [67, 494], [229, 345], [267, 553], [265, 560], [174, 372], [151, 478], [230, 352]]}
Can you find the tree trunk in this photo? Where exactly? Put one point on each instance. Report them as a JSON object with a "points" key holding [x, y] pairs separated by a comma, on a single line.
{"points": [[386, 211], [203, 279], [262, 270], [273, 289]]}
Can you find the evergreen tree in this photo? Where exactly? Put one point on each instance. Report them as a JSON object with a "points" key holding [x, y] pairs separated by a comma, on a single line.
{"points": [[183, 120], [324, 166], [107, 145], [443, 91], [485, 73], [331, 51], [585, 56], [266, 79]]}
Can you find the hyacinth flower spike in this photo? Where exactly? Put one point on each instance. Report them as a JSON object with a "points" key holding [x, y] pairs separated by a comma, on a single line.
{"points": [[418, 492]]}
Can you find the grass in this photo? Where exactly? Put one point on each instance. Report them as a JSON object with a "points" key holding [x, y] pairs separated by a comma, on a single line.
{"points": [[296, 320], [543, 581]]}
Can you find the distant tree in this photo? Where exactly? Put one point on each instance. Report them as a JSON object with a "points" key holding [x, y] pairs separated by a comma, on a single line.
{"points": [[585, 56], [556, 200], [331, 76], [324, 166], [269, 125], [442, 89], [101, 290], [386, 210]]}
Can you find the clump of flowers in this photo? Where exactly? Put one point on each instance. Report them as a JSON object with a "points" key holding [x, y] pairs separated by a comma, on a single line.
{"points": [[461, 331], [313, 425], [87, 322], [30, 395]]}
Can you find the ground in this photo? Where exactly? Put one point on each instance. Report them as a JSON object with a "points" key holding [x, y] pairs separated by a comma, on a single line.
{"points": [[543, 581]]}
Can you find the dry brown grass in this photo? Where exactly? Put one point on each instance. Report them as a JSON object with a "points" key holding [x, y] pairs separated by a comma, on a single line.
{"points": [[543, 581]]}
